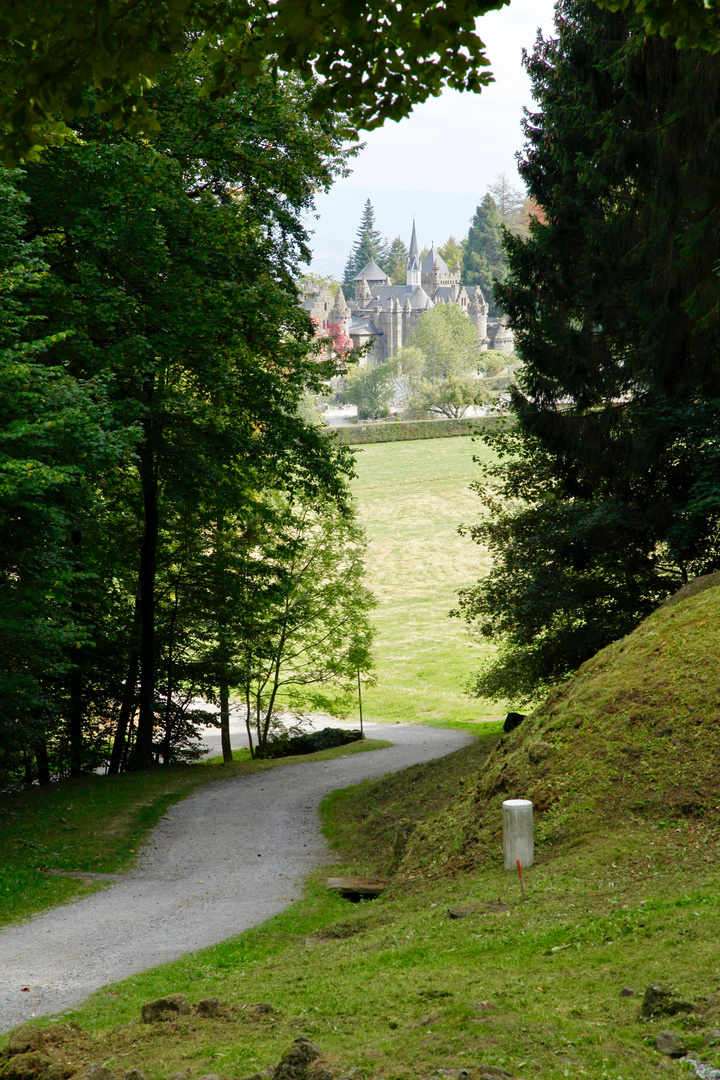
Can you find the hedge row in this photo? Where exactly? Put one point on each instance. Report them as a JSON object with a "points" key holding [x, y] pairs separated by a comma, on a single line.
{"points": [[310, 742], [398, 431]]}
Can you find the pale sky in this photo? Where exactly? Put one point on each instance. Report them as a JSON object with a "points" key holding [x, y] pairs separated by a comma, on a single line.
{"points": [[437, 163]]}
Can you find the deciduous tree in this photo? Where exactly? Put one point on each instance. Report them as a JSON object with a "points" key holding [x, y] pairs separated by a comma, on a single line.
{"points": [[174, 261], [374, 61]]}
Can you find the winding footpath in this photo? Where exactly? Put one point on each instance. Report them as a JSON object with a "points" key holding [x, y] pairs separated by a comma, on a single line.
{"points": [[227, 858]]}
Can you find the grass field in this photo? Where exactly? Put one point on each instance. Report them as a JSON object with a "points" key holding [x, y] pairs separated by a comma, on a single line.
{"points": [[411, 498], [394, 988]]}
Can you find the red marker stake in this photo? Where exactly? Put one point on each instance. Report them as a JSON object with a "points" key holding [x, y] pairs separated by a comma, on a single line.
{"points": [[522, 883]]}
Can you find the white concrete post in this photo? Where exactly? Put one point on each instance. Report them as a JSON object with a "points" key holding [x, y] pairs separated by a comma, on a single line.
{"points": [[518, 833]]}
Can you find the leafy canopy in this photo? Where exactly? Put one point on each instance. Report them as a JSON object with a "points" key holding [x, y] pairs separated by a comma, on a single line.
{"points": [[373, 60]]}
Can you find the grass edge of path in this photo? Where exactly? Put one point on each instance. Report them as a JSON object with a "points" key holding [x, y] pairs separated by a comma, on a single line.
{"points": [[97, 824]]}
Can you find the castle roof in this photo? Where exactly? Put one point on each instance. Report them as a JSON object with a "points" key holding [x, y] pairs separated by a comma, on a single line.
{"points": [[340, 306], [433, 256], [446, 293], [364, 327], [383, 294], [371, 272], [420, 299]]}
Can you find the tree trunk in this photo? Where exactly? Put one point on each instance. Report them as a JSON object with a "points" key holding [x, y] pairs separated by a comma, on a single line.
{"points": [[75, 718], [248, 724], [75, 680], [43, 765], [225, 720], [167, 721], [129, 744], [142, 757], [127, 708]]}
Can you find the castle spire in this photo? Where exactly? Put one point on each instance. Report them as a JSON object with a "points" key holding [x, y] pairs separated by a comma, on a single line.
{"points": [[412, 263], [414, 251]]}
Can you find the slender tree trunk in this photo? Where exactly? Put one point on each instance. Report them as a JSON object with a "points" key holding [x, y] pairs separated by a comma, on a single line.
{"points": [[142, 757], [225, 720], [75, 680], [129, 743], [43, 765], [167, 721], [75, 718], [248, 723], [127, 708]]}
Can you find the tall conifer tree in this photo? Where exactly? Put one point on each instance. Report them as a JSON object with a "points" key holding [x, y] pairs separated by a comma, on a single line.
{"points": [[483, 258], [396, 261], [368, 245], [612, 470]]}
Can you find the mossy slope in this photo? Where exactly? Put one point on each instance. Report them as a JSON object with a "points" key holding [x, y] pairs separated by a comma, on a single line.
{"points": [[633, 737]]}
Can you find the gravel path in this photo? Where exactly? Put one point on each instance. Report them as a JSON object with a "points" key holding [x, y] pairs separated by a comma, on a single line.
{"points": [[225, 859]]}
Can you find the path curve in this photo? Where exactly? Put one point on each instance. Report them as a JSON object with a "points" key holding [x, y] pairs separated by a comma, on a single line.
{"points": [[224, 859]]}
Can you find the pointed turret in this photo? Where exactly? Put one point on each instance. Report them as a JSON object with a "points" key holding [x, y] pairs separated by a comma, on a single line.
{"points": [[340, 314], [363, 296], [414, 250], [412, 263]]}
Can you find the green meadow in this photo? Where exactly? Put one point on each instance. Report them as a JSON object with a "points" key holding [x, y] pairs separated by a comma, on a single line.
{"points": [[411, 499]]}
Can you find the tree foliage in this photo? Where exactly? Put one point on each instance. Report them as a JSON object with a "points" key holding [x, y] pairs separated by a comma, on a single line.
{"points": [[440, 365], [369, 244], [154, 361], [396, 261], [374, 61], [295, 631], [452, 251], [484, 261], [372, 388], [607, 498]]}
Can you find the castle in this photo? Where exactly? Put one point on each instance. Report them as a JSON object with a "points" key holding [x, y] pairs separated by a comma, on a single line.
{"points": [[384, 315]]}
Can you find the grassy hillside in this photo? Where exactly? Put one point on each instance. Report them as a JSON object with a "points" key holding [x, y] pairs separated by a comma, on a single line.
{"points": [[625, 892], [411, 498], [634, 737]]}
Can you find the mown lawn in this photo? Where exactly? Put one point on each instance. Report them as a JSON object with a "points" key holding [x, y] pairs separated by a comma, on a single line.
{"points": [[412, 497]]}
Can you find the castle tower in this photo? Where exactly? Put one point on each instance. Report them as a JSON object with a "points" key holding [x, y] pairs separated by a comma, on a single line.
{"points": [[477, 313], [340, 314], [504, 339], [363, 296], [397, 327], [406, 319], [412, 264]]}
